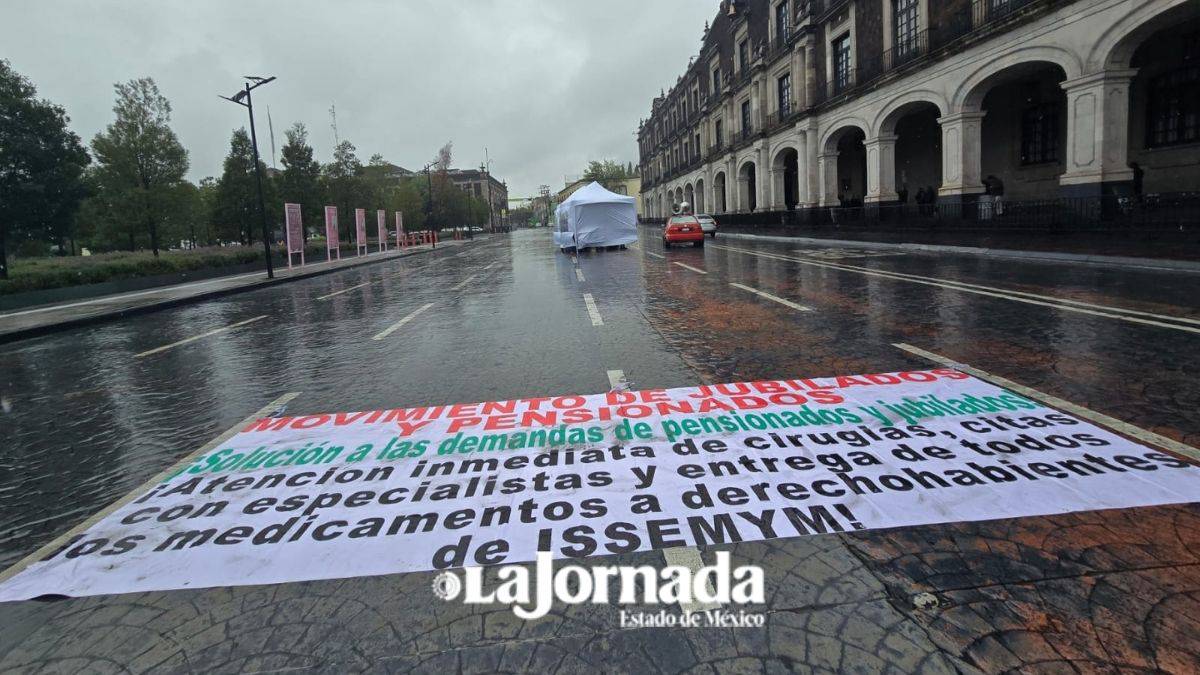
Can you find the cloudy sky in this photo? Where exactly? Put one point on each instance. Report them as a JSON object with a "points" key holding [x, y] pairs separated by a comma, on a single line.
{"points": [[545, 85]]}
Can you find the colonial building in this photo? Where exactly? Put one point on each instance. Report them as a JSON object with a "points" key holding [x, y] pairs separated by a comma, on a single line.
{"points": [[483, 186], [806, 103]]}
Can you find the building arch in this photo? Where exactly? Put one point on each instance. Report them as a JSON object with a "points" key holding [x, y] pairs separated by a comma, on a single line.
{"points": [[898, 107], [720, 196], [833, 133], [1115, 47], [689, 196], [699, 206], [747, 174], [969, 95], [785, 176]]}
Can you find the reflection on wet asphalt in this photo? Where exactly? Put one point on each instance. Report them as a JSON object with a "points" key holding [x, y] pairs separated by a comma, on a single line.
{"points": [[87, 421]]}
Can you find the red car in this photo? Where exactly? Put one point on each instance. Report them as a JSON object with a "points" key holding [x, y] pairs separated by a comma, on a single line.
{"points": [[683, 229]]}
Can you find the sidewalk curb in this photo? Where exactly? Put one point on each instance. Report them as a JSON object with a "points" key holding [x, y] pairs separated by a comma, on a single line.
{"points": [[1036, 256], [36, 331]]}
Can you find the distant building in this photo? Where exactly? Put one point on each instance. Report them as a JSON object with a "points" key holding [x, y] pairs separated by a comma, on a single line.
{"points": [[483, 186], [386, 169]]}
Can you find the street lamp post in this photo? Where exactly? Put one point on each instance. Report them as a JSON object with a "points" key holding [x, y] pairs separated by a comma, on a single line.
{"points": [[429, 205], [262, 208]]}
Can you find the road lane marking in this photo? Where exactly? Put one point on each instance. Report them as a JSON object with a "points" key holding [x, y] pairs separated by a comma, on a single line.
{"points": [[656, 255], [197, 337], [574, 260], [58, 541], [774, 298], [1055, 402], [399, 324], [579, 274], [593, 310], [464, 282], [1016, 296], [489, 266], [345, 290], [689, 267], [689, 557]]}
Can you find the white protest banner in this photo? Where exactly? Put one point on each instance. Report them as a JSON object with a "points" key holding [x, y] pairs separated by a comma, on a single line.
{"points": [[360, 230], [331, 234], [387, 491], [381, 228], [295, 232]]}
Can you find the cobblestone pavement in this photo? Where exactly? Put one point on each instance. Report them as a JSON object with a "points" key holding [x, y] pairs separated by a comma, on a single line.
{"points": [[1103, 591]]}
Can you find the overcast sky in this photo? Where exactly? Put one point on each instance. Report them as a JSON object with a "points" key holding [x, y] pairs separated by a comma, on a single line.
{"points": [[544, 85]]}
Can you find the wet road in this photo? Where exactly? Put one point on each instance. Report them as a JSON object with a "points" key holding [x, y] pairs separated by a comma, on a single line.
{"points": [[92, 413]]}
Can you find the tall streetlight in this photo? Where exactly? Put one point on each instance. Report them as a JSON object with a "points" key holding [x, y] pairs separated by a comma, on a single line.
{"points": [[242, 98], [429, 204]]}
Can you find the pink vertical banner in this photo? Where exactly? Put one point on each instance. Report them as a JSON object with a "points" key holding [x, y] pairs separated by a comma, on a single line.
{"points": [[381, 223], [294, 231], [360, 230], [400, 242], [331, 234]]}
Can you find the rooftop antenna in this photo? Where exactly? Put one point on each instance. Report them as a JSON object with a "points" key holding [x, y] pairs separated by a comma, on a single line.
{"points": [[333, 123], [272, 128]]}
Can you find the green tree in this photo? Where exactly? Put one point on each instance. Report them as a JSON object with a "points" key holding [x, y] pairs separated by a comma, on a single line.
{"points": [[236, 207], [41, 167], [141, 154], [608, 173], [300, 181], [346, 188]]}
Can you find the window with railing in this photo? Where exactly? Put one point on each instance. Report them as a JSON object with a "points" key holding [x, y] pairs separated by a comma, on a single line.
{"points": [[718, 135], [905, 18], [783, 27], [783, 89], [842, 75], [1039, 133], [744, 55], [1173, 111], [716, 80], [747, 123]]}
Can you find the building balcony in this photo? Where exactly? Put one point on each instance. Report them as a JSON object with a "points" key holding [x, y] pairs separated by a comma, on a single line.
{"points": [[906, 51]]}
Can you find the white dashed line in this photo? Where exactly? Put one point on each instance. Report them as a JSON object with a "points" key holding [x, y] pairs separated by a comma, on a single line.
{"points": [[579, 274], [773, 298], [656, 255], [489, 266], [593, 310], [689, 267], [1055, 402], [574, 260], [464, 282], [197, 337], [396, 326], [344, 290]]}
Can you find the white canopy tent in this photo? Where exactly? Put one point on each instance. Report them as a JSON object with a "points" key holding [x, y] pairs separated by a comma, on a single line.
{"points": [[593, 216]]}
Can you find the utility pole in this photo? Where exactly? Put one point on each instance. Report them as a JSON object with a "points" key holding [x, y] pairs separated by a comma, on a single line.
{"points": [[429, 203], [262, 208]]}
